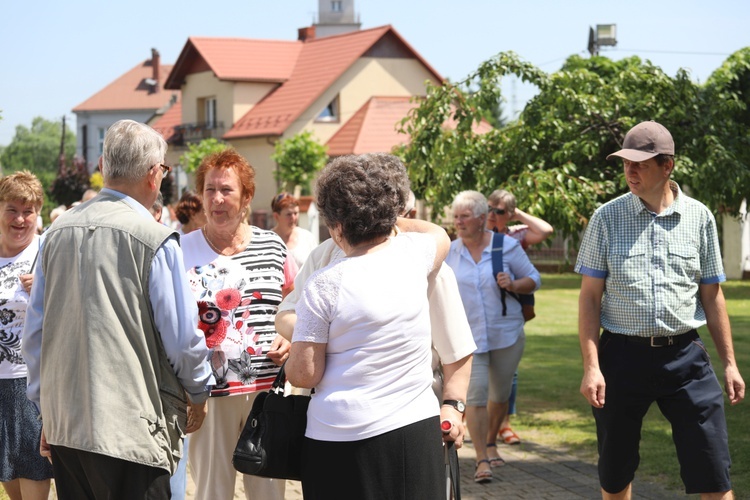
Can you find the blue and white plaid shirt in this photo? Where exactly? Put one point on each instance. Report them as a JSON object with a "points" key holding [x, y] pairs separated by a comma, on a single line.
{"points": [[653, 264]]}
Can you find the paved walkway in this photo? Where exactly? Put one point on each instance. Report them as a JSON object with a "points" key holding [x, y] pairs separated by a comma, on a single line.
{"points": [[532, 471]]}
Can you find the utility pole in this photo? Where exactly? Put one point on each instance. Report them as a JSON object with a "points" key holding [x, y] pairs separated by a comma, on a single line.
{"points": [[61, 158]]}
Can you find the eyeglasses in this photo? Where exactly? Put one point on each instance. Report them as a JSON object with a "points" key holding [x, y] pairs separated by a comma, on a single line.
{"points": [[496, 211], [164, 168]]}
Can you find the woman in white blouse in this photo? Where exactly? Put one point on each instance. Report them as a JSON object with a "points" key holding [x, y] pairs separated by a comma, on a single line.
{"points": [[498, 331]]}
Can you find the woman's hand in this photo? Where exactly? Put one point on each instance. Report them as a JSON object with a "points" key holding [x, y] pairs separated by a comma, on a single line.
{"points": [[26, 281], [505, 282], [279, 350], [457, 429]]}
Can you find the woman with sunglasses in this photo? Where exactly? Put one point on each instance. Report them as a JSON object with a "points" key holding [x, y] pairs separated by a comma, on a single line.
{"points": [[530, 230]]}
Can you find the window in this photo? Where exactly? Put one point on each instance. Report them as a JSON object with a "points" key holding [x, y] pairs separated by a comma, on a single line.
{"points": [[336, 6], [211, 112], [101, 140], [330, 113]]}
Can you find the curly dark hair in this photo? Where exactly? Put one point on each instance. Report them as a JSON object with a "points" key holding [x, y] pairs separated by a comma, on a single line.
{"points": [[189, 205], [364, 194]]}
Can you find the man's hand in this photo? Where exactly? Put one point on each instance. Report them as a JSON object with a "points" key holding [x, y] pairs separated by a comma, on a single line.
{"points": [[458, 429], [279, 350], [734, 385], [44, 449], [593, 387], [196, 412]]}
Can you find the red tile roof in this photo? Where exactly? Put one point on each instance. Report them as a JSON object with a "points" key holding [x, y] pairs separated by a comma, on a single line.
{"points": [[321, 61], [166, 123], [304, 71], [236, 59], [373, 127], [130, 92]]}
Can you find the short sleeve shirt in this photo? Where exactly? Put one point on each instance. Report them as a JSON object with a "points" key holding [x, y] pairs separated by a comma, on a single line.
{"points": [[652, 264]]}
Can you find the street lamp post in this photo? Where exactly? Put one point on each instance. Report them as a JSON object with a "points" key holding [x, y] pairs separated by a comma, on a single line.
{"points": [[604, 35]]}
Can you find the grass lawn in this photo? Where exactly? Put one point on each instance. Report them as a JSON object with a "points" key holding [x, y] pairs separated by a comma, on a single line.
{"points": [[552, 411]]}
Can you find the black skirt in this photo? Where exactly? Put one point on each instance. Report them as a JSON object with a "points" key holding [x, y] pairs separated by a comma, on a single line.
{"points": [[403, 464]]}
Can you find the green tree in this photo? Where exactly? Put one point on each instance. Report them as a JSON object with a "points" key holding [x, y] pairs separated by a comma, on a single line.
{"points": [[553, 158], [37, 149], [193, 157], [299, 158]]}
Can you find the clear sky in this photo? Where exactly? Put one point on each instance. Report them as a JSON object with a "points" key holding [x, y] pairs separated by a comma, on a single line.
{"points": [[57, 54]]}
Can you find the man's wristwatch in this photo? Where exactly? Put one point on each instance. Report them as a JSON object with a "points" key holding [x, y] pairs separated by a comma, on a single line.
{"points": [[455, 403]]}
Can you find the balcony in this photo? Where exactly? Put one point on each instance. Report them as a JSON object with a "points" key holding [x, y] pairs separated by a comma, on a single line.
{"points": [[188, 133]]}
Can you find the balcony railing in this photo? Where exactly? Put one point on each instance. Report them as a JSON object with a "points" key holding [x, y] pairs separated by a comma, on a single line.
{"points": [[188, 133]]}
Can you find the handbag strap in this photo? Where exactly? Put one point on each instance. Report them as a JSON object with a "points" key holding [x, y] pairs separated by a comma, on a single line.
{"points": [[497, 264], [280, 380]]}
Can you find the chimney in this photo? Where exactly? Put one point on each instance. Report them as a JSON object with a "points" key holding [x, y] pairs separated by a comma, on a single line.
{"points": [[155, 65], [305, 34]]}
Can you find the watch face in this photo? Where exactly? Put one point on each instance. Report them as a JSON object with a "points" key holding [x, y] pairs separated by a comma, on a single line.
{"points": [[460, 406]]}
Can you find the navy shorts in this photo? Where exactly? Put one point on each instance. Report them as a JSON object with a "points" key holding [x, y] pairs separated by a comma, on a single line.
{"points": [[680, 379]]}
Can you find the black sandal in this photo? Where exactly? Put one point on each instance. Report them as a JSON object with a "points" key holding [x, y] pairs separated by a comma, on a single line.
{"points": [[484, 476], [496, 461]]}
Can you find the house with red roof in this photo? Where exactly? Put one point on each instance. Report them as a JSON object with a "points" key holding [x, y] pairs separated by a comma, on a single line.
{"points": [[139, 95], [350, 89]]}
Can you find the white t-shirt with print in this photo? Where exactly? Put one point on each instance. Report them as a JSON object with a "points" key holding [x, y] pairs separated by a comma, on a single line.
{"points": [[13, 301]]}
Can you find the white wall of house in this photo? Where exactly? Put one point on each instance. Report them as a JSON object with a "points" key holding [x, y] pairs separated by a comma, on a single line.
{"points": [[736, 244]]}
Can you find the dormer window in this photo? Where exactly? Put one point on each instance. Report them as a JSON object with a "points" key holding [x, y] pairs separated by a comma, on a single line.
{"points": [[330, 113], [336, 6]]}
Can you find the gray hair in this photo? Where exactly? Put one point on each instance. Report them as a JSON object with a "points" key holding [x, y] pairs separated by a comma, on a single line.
{"points": [[130, 150], [504, 197], [364, 194], [473, 200]]}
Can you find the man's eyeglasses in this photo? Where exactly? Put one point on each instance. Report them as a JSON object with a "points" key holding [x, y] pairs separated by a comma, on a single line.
{"points": [[164, 168], [496, 211]]}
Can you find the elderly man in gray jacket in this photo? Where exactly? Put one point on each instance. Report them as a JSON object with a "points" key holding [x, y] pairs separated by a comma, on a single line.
{"points": [[110, 340]]}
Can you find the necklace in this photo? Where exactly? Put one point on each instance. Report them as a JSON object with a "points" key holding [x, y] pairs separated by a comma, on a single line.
{"points": [[233, 249]]}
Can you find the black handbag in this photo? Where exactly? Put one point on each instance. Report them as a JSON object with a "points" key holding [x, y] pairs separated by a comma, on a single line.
{"points": [[271, 443]]}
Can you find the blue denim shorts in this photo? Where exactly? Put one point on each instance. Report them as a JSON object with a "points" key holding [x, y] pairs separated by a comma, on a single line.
{"points": [[680, 379]]}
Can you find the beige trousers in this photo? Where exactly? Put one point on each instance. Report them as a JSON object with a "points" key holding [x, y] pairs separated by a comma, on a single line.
{"points": [[211, 449]]}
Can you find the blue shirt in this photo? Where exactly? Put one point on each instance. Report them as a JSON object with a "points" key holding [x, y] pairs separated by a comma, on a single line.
{"points": [[481, 296], [652, 264], [175, 316]]}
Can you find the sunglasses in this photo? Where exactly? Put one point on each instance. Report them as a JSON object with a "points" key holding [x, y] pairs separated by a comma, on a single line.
{"points": [[496, 211]]}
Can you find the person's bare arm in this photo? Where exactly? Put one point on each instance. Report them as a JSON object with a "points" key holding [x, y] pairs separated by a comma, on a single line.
{"points": [[442, 240], [539, 229], [589, 308], [306, 364], [455, 383], [717, 321]]}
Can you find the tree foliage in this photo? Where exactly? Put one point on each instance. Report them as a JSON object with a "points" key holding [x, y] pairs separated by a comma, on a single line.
{"points": [[70, 184], [37, 149], [553, 158], [193, 157], [299, 158]]}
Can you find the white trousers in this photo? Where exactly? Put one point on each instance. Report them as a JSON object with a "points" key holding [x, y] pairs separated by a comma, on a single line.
{"points": [[211, 449]]}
